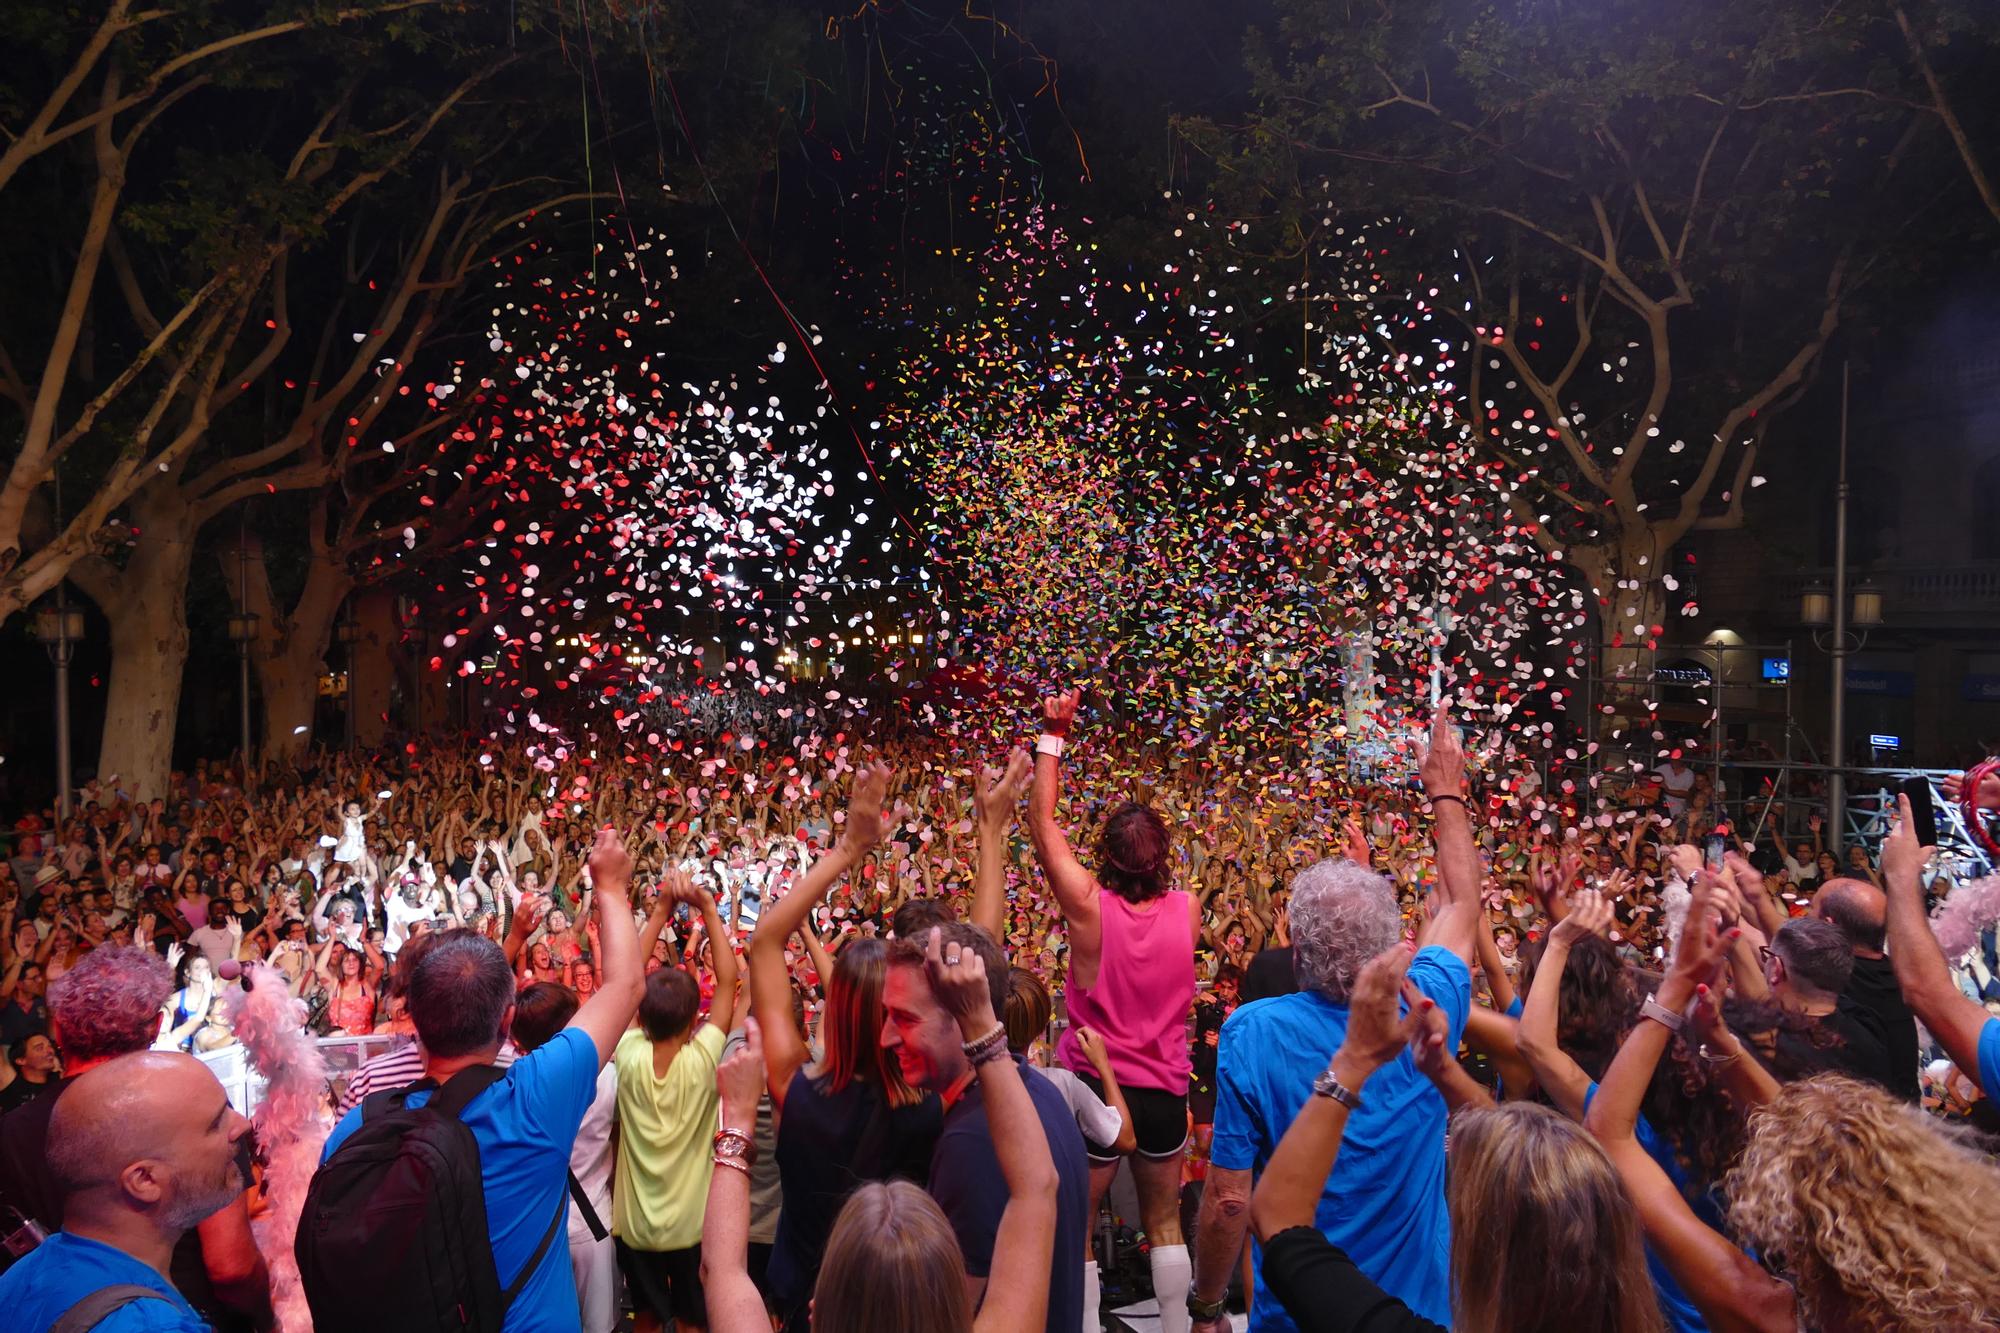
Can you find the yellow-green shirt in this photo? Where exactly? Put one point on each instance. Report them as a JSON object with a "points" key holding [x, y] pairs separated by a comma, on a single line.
{"points": [[666, 1137]]}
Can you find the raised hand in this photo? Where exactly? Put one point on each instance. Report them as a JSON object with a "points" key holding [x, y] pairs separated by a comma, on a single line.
{"points": [[1703, 941], [1059, 712], [1354, 842], [995, 799], [174, 955], [864, 808], [1903, 856], [1430, 1035], [740, 1079], [610, 863], [1443, 769], [1589, 914], [958, 977]]}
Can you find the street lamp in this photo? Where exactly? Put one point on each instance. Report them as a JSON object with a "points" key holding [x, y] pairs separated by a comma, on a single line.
{"points": [[347, 634], [242, 633], [59, 629]]}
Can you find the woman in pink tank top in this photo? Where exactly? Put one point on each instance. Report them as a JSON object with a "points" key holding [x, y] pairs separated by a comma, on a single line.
{"points": [[1131, 980]]}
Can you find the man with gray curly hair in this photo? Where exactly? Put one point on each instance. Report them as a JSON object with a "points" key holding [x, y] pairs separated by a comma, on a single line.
{"points": [[1343, 914], [1384, 1203]]}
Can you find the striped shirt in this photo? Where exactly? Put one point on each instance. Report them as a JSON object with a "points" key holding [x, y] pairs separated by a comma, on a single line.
{"points": [[398, 1069]]}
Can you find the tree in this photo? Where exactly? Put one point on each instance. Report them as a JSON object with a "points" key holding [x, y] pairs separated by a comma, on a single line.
{"points": [[1646, 232], [1958, 93], [368, 199]]}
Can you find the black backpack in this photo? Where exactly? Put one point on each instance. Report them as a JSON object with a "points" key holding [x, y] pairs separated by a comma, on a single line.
{"points": [[400, 1209]]}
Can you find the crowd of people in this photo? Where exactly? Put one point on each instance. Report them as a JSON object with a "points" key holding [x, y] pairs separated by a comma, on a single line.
{"points": [[849, 1035]]}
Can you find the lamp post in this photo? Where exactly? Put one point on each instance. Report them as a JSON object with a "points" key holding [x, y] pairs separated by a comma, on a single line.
{"points": [[59, 629], [348, 634], [1818, 608], [242, 633]]}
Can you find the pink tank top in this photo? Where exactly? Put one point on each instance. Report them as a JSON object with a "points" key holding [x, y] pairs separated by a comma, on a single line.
{"points": [[1144, 990]]}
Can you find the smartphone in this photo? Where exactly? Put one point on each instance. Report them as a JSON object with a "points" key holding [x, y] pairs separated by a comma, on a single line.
{"points": [[1918, 789], [1712, 849]]}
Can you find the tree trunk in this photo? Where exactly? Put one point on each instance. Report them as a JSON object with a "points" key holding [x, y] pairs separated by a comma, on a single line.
{"points": [[1625, 577], [290, 650], [146, 604]]}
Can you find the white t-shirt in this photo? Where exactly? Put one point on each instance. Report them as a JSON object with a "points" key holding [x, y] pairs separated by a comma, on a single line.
{"points": [[1677, 785], [1099, 1121], [217, 943], [590, 1157], [401, 914]]}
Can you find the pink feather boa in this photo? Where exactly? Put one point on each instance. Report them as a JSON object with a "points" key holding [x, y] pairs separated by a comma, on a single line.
{"points": [[1970, 909], [292, 1124]]}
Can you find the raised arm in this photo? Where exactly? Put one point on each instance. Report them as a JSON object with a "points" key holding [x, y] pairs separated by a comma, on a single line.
{"points": [[1492, 965], [722, 955], [770, 979], [1563, 1078], [1459, 873], [1017, 1286], [993, 801], [1921, 967], [1729, 1289], [822, 961], [733, 1303], [1075, 887], [621, 977]]}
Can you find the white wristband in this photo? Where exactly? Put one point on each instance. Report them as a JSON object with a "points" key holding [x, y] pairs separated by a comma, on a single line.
{"points": [[1049, 744]]}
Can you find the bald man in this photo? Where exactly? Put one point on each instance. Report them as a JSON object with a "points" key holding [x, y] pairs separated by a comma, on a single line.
{"points": [[143, 1148], [1861, 912]]}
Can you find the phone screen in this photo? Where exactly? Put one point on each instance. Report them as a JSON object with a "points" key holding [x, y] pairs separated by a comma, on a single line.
{"points": [[1918, 789]]}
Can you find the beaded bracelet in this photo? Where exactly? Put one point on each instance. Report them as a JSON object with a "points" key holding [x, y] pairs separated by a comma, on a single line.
{"points": [[981, 1047], [734, 1163]]}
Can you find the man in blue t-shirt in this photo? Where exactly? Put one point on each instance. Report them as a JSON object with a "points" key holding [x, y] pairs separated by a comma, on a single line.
{"points": [[1969, 1035], [143, 1148], [1384, 1204], [461, 999]]}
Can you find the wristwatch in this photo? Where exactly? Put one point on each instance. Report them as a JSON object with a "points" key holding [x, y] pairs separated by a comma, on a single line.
{"points": [[1326, 1085], [1662, 1015], [1202, 1311]]}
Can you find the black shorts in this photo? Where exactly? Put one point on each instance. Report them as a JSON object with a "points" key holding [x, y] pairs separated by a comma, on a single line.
{"points": [[666, 1283], [1159, 1123]]}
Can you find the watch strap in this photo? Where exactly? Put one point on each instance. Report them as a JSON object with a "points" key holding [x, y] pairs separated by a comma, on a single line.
{"points": [[1198, 1308], [1662, 1015], [1326, 1085]]}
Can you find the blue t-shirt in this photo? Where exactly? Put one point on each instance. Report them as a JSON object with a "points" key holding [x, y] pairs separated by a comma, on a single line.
{"points": [[64, 1269], [1675, 1307], [1384, 1203], [1989, 1058], [525, 1125]]}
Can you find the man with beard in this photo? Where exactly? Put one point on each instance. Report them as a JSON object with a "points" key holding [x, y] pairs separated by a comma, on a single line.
{"points": [[143, 1148]]}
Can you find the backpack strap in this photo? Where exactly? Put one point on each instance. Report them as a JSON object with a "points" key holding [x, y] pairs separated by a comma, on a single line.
{"points": [[535, 1259], [459, 1090], [101, 1304], [590, 1217]]}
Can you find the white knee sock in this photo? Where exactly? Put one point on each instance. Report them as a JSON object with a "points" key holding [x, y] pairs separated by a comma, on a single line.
{"points": [[1091, 1321], [1173, 1274]]}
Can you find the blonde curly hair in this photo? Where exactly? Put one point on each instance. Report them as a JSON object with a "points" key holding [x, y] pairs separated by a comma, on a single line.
{"points": [[1882, 1216]]}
